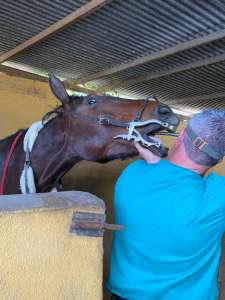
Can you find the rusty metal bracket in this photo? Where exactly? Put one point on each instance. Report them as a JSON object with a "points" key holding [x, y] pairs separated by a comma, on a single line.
{"points": [[91, 224]]}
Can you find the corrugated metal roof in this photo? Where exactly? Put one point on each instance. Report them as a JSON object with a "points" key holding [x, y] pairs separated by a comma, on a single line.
{"points": [[172, 89], [193, 55], [121, 32], [20, 20]]}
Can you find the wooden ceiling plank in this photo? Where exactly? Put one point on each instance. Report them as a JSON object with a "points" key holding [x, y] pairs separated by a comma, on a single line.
{"points": [[28, 75], [143, 78], [75, 16], [204, 97]]}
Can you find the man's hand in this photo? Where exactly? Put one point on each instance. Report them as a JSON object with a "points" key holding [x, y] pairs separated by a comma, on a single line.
{"points": [[146, 154]]}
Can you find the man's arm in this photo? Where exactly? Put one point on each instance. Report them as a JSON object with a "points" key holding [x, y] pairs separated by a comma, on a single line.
{"points": [[146, 154]]}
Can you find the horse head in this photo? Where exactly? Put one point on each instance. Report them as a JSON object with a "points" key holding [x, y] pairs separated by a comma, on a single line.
{"points": [[95, 128], [94, 121]]}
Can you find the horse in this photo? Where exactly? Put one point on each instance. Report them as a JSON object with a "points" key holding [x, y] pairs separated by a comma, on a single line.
{"points": [[94, 127]]}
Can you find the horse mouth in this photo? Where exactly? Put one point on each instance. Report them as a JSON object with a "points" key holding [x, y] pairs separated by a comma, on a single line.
{"points": [[149, 133], [146, 137]]}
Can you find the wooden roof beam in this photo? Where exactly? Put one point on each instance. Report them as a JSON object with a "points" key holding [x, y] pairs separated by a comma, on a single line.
{"points": [[153, 56], [204, 97], [20, 73], [75, 16], [143, 78], [28, 75]]}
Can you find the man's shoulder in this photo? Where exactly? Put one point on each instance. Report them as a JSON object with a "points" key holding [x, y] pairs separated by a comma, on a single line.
{"points": [[215, 188], [135, 164], [132, 170], [214, 179], [215, 183], [132, 167], [138, 165]]}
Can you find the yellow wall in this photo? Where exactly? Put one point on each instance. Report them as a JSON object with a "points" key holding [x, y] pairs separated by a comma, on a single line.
{"points": [[22, 102], [41, 259]]}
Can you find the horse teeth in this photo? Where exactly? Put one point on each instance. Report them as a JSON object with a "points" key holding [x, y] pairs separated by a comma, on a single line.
{"points": [[120, 136]]}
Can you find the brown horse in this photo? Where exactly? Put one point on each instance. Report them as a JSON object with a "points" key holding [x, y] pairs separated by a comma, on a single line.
{"points": [[82, 128]]}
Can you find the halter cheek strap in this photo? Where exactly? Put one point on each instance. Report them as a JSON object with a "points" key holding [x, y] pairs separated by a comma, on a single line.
{"points": [[202, 145]]}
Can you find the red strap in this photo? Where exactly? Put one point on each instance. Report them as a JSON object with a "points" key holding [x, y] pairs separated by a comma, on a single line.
{"points": [[6, 165]]}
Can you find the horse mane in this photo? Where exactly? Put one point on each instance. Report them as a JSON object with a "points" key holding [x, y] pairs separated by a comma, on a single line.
{"points": [[57, 110], [51, 114]]}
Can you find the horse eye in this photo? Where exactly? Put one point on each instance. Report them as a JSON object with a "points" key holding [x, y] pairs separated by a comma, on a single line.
{"points": [[164, 110], [91, 101]]}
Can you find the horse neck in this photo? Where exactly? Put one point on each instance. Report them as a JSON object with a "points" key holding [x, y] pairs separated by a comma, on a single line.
{"points": [[15, 163], [50, 157]]}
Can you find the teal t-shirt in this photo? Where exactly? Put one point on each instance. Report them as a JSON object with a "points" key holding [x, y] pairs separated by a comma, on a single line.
{"points": [[174, 222]]}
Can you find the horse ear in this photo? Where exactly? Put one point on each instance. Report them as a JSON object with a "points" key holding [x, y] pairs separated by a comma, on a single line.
{"points": [[58, 89]]}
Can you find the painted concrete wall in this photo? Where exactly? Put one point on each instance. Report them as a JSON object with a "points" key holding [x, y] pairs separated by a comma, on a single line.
{"points": [[24, 101], [40, 258]]}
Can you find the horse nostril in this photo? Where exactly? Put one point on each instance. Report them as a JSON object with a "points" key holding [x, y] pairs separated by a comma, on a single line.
{"points": [[164, 110], [174, 120]]}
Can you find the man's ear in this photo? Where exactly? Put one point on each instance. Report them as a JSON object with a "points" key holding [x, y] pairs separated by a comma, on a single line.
{"points": [[58, 89]]}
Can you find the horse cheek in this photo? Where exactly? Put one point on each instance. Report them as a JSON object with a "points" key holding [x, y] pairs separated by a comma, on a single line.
{"points": [[120, 150]]}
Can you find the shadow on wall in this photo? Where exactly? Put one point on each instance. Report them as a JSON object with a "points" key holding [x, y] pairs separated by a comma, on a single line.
{"points": [[98, 179]]}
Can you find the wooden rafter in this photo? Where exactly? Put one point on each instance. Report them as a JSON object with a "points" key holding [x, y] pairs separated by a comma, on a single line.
{"points": [[205, 97], [153, 56], [28, 75], [15, 72], [143, 78], [75, 16]]}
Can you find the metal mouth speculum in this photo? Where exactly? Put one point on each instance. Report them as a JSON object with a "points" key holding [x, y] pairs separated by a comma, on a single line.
{"points": [[134, 135]]}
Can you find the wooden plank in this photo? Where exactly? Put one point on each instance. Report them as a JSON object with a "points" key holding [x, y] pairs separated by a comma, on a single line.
{"points": [[91, 224], [214, 95], [51, 201], [75, 16], [28, 75], [80, 89], [20, 73], [181, 68], [87, 224], [153, 56]]}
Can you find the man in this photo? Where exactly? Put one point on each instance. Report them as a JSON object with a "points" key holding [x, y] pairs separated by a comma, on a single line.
{"points": [[174, 218]]}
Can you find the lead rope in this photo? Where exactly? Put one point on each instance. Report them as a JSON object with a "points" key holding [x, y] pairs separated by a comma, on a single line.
{"points": [[6, 164]]}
